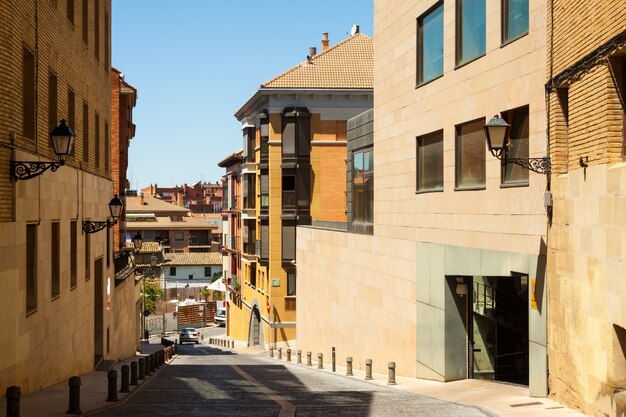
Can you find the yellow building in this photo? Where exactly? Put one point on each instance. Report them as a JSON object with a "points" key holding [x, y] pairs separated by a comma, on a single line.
{"points": [[293, 173], [60, 303], [586, 241]]}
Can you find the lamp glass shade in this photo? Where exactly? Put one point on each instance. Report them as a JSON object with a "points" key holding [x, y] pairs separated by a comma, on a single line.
{"points": [[137, 241], [115, 206], [62, 138], [153, 260], [496, 131], [265, 129]]}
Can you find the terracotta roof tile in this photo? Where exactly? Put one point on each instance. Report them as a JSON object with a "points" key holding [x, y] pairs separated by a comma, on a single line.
{"points": [[348, 64], [194, 258]]}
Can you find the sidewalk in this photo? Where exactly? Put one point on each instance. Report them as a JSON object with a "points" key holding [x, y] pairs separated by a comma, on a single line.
{"points": [[54, 401], [496, 398]]}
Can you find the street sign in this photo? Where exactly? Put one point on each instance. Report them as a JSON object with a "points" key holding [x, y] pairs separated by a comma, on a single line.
{"points": [[268, 305], [276, 282]]}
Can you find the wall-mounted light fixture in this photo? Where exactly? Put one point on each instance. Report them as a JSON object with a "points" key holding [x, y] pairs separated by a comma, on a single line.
{"points": [[496, 133], [137, 241], [461, 287], [115, 207], [62, 137]]}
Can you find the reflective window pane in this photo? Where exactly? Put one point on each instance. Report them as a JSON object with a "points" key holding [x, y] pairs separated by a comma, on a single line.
{"points": [[430, 45], [430, 162], [470, 155], [470, 30], [515, 13]]}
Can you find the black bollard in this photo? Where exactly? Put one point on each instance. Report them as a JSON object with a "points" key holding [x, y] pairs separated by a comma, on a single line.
{"points": [[147, 364], [152, 362], [334, 360], [112, 377], [13, 395], [133, 373], [125, 378], [74, 407], [142, 368]]}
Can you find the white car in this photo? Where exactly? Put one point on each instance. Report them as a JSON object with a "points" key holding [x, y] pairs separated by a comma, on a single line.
{"points": [[188, 334], [220, 317]]}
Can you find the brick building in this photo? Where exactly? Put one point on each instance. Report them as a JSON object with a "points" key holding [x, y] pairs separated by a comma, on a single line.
{"points": [[586, 241], [201, 197], [60, 309]]}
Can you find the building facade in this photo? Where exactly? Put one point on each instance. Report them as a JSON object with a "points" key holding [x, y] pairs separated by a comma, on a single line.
{"points": [[59, 303], [293, 173], [444, 270], [586, 242]]}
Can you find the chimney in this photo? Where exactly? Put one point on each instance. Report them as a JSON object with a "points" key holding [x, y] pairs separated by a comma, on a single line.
{"points": [[141, 199], [312, 51], [179, 197], [324, 41], [355, 29]]}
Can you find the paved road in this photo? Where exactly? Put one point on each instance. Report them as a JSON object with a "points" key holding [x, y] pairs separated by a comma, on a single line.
{"points": [[207, 381]]}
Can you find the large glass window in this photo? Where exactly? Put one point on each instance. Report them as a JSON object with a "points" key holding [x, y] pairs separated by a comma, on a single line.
{"points": [[291, 283], [514, 19], [430, 162], [518, 146], [28, 94], [55, 260], [289, 240], [470, 30], [430, 44], [363, 186], [31, 268], [470, 155]]}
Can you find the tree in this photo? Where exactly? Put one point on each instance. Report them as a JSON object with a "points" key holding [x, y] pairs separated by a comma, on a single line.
{"points": [[152, 294], [205, 294]]}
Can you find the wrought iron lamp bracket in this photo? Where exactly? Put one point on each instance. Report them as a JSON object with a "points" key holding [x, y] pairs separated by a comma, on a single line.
{"points": [[538, 165], [24, 170], [93, 227]]}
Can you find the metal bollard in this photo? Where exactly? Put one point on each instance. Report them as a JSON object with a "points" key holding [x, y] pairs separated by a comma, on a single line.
{"points": [[299, 356], [368, 369], [74, 407], [288, 355], [152, 362], [334, 360], [349, 366], [392, 373], [320, 361], [271, 352], [125, 378], [142, 368], [308, 359], [210, 340], [148, 367], [112, 377], [133, 373], [280, 353], [175, 349], [232, 344], [13, 395]]}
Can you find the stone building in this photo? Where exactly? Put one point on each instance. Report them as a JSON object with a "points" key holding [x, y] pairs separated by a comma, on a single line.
{"points": [[446, 276], [59, 305], [587, 239]]}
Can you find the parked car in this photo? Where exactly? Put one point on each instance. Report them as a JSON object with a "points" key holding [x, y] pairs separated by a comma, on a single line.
{"points": [[220, 317], [188, 334]]}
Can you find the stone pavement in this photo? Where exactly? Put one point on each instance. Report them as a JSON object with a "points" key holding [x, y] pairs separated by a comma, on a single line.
{"points": [[505, 400]]}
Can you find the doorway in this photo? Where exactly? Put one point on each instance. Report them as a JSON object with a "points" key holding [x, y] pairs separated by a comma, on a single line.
{"points": [[498, 329], [98, 313], [254, 334]]}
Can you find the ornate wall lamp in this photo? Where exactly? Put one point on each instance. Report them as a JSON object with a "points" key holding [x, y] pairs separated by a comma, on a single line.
{"points": [[496, 133], [115, 207], [62, 138]]}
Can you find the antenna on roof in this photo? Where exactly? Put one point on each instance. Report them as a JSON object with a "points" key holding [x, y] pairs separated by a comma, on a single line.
{"points": [[355, 29]]}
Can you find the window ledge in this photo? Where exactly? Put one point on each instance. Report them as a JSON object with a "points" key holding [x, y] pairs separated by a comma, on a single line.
{"points": [[429, 81], [458, 66], [514, 185], [475, 188], [290, 297], [433, 190], [510, 41], [31, 312]]}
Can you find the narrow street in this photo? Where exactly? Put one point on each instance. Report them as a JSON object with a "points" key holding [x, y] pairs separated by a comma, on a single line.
{"points": [[208, 381]]}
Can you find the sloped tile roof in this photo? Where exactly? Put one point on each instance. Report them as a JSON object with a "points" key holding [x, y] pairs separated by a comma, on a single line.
{"points": [[146, 247], [348, 64], [194, 258], [152, 205]]}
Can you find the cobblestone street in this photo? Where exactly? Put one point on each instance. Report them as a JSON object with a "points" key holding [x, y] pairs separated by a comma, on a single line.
{"points": [[207, 381]]}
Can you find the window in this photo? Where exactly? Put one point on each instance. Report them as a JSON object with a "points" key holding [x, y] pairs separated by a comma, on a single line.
{"points": [[85, 132], [28, 94], [296, 133], [87, 256], [253, 274], [265, 189], [518, 146], [289, 190], [73, 254], [249, 141], [107, 47], [429, 161], [289, 135], [172, 271], [470, 155], [470, 30], [96, 30], [291, 284], [514, 19], [207, 271], [178, 236], [86, 21], [249, 191], [430, 44], [108, 247], [265, 240], [55, 261], [107, 144], [31, 268], [52, 101], [289, 241], [71, 112], [190, 276], [70, 10], [97, 154], [363, 186]]}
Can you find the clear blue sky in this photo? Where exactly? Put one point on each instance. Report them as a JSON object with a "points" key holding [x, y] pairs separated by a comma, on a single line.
{"points": [[195, 62]]}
